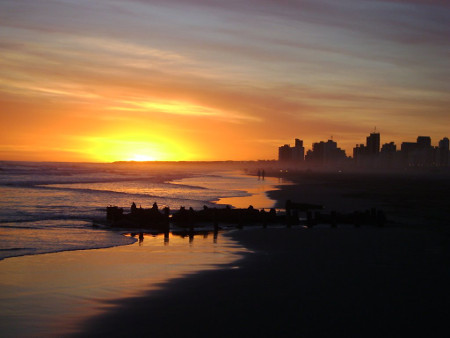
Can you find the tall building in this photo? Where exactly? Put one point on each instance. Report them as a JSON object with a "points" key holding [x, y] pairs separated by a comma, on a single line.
{"points": [[285, 153], [418, 154], [424, 141], [388, 156], [326, 153], [358, 152], [443, 152], [373, 144], [295, 154], [298, 152], [367, 155]]}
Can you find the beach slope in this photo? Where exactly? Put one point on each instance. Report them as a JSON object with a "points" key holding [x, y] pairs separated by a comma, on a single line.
{"points": [[320, 282]]}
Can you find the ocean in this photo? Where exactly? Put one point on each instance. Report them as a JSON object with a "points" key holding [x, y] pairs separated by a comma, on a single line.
{"points": [[51, 279], [49, 207]]}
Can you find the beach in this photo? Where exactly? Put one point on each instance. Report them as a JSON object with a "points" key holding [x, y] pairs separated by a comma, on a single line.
{"points": [[320, 282], [57, 269], [254, 282], [49, 295]]}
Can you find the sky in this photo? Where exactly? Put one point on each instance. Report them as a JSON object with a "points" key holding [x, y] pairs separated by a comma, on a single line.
{"points": [[111, 80]]}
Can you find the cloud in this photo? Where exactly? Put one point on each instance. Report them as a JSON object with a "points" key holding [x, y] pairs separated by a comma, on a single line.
{"points": [[264, 69]]}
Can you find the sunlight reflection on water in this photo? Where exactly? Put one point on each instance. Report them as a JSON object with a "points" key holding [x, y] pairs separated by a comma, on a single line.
{"points": [[250, 190], [50, 293]]}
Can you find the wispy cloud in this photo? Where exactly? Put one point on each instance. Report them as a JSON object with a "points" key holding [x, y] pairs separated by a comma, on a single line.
{"points": [[256, 69], [179, 108]]}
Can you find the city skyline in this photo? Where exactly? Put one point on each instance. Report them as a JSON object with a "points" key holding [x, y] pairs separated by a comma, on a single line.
{"points": [[373, 154], [212, 80]]}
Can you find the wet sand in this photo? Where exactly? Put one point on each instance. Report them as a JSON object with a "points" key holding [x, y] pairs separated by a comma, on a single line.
{"points": [[322, 282], [319, 282], [49, 295]]}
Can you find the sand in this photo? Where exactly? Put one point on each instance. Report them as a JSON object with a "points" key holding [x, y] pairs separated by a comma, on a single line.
{"points": [[410, 200], [323, 282], [319, 282], [48, 295]]}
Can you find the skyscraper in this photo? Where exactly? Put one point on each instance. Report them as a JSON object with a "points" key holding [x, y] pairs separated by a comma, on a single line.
{"points": [[443, 152], [424, 141], [296, 154], [285, 153], [373, 144]]}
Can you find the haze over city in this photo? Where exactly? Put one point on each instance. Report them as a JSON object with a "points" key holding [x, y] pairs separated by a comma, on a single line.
{"points": [[217, 80]]}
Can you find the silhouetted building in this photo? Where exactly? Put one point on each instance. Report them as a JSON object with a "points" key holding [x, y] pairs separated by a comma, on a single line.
{"points": [[294, 154], [418, 154], [373, 144], [298, 152], [284, 153], [443, 152], [326, 154], [408, 151], [359, 153], [424, 142], [388, 156], [425, 151], [389, 148], [367, 156]]}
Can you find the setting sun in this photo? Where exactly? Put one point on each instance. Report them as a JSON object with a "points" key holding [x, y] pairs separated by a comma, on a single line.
{"points": [[138, 146], [141, 158], [234, 86]]}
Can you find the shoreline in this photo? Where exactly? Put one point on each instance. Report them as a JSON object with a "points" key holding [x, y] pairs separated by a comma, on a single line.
{"points": [[26, 265], [180, 177], [318, 282], [72, 286], [409, 201]]}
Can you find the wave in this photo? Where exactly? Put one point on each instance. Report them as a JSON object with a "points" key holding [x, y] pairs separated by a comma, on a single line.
{"points": [[31, 174], [15, 249], [14, 252], [58, 239], [97, 191], [46, 222], [49, 207], [9, 181]]}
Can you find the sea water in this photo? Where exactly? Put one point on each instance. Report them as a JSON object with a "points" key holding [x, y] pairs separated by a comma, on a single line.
{"points": [[49, 207], [50, 282]]}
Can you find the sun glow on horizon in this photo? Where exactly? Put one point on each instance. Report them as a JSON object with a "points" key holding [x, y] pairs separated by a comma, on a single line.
{"points": [[141, 158], [216, 82], [135, 147]]}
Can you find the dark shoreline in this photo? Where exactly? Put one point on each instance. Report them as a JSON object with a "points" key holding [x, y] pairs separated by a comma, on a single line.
{"points": [[322, 282], [412, 201]]}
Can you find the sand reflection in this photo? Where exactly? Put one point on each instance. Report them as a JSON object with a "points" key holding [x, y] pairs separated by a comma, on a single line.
{"points": [[49, 294]]}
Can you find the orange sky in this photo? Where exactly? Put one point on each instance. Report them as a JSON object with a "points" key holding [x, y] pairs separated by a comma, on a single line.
{"points": [[218, 80]]}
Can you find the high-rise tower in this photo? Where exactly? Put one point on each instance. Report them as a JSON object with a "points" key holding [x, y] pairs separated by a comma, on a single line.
{"points": [[373, 144]]}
